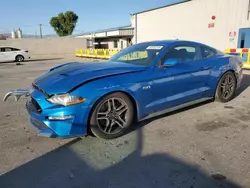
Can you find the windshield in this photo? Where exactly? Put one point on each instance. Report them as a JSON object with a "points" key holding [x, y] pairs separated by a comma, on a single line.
{"points": [[139, 54]]}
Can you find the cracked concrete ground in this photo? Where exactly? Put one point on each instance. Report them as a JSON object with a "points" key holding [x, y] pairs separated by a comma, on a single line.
{"points": [[207, 145]]}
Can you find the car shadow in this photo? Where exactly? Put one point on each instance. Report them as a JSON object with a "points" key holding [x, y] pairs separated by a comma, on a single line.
{"points": [[43, 59], [94, 163], [148, 121], [29, 61], [9, 62]]}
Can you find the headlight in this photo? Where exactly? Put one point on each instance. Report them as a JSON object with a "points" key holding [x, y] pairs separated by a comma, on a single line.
{"points": [[65, 99]]}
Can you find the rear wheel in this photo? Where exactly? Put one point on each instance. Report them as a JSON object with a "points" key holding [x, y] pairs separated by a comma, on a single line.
{"points": [[19, 59], [226, 88], [112, 116]]}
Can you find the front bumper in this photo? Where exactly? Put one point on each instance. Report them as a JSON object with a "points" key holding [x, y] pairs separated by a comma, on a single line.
{"points": [[52, 120], [74, 126]]}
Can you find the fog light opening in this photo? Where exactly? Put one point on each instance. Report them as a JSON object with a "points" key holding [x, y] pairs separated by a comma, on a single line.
{"points": [[60, 118]]}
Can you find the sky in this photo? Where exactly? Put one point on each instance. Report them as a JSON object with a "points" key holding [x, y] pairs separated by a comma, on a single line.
{"points": [[93, 14]]}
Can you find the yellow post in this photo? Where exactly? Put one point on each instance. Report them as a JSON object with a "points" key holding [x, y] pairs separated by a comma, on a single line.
{"points": [[82, 52], [98, 53], [248, 58], [246, 65], [88, 52], [105, 53], [95, 53]]}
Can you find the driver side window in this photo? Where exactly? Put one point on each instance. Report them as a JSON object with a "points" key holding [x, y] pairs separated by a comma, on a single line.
{"points": [[183, 53]]}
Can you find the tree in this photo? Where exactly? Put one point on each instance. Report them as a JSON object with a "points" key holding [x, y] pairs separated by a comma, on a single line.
{"points": [[64, 23]]}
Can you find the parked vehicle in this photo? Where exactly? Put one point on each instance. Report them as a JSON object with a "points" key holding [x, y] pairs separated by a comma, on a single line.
{"points": [[74, 99], [9, 54]]}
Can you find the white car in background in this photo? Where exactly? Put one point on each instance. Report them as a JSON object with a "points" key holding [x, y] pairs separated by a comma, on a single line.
{"points": [[9, 54]]}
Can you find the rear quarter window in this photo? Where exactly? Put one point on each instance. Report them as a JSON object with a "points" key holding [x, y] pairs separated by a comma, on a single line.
{"points": [[15, 49], [207, 52]]}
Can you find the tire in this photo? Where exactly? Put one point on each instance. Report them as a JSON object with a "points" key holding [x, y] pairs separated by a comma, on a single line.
{"points": [[226, 88], [19, 59], [109, 122]]}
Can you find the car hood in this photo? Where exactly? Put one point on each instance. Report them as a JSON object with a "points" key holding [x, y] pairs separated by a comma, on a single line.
{"points": [[65, 77]]}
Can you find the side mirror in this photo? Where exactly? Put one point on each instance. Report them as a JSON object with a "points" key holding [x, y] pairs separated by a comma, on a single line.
{"points": [[171, 62]]}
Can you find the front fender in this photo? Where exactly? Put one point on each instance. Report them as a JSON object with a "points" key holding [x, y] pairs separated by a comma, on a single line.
{"points": [[95, 90]]}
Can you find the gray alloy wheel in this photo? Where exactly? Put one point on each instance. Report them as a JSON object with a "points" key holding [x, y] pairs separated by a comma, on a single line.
{"points": [[112, 116], [226, 87]]}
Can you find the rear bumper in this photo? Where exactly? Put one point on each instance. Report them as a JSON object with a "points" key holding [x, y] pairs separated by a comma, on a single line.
{"points": [[239, 78]]}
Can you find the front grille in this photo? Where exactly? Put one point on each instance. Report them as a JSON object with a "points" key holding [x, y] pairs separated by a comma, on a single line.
{"points": [[33, 106]]}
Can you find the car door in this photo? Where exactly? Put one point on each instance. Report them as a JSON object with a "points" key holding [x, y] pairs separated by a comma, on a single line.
{"points": [[2, 57], [8, 54], [181, 83]]}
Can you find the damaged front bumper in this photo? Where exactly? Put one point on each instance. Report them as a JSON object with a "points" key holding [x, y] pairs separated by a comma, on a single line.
{"points": [[34, 112], [52, 120], [18, 93]]}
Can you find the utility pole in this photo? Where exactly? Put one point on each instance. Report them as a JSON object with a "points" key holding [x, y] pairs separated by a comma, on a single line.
{"points": [[41, 34], [248, 12]]}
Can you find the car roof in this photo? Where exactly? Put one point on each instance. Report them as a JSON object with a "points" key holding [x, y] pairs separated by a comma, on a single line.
{"points": [[168, 42]]}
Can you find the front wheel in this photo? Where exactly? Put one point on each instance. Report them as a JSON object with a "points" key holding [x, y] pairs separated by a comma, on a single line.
{"points": [[226, 88], [112, 116]]}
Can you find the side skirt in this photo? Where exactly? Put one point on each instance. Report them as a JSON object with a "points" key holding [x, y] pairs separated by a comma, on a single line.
{"points": [[168, 110]]}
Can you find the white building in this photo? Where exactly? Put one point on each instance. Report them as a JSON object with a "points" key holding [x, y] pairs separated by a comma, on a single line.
{"points": [[219, 23]]}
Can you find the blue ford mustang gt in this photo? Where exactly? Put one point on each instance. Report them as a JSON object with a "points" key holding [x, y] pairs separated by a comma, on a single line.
{"points": [[141, 81]]}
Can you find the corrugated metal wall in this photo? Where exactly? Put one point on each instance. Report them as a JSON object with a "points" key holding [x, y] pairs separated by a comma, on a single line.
{"points": [[127, 32], [189, 21]]}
